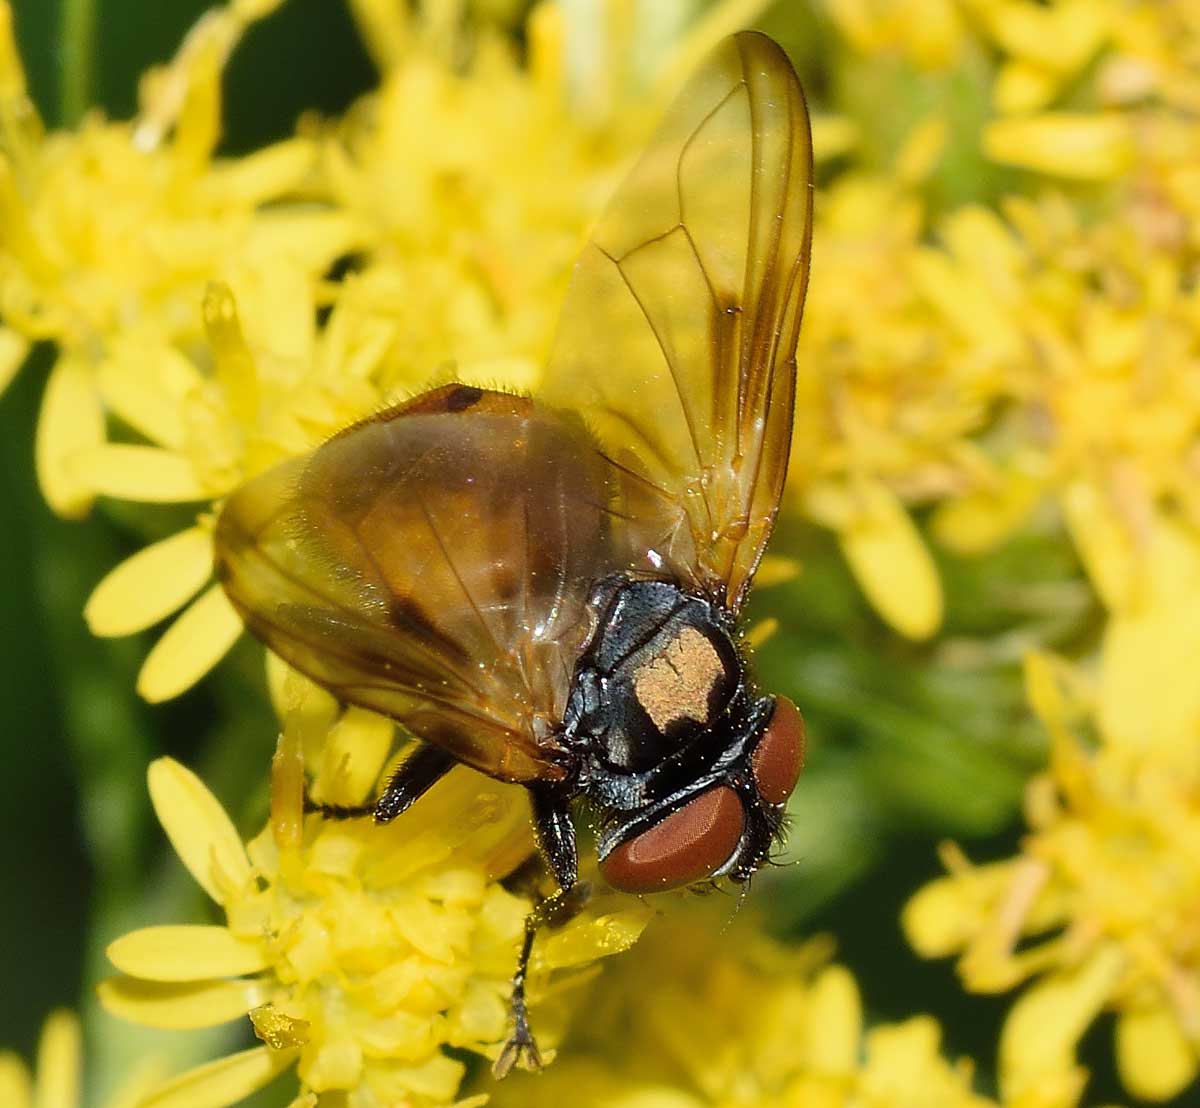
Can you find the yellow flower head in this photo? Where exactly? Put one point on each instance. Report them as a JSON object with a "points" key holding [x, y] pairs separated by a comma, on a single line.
{"points": [[360, 952], [1107, 882], [273, 391], [108, 236], [705, 1016]]}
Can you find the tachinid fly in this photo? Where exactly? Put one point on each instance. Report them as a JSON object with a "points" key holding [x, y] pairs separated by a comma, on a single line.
{"points": [[548, 589]]}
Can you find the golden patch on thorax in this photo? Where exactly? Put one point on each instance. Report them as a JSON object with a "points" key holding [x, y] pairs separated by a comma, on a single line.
{"points": [[677, 684]]}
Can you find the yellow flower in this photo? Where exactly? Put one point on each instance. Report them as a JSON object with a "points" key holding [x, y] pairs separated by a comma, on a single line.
{"points": [[701, 1017], [269, 396], [879, 414], [931, 33], [476, 184], [1045, 46], [1103, 320], [475, 187], [359, 952], [57, 1082], [109, 235], [1133, 117], [1106, 885]]}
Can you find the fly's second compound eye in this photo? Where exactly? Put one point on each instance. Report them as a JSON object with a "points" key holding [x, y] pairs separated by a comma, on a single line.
{"points": [[687, 846]]}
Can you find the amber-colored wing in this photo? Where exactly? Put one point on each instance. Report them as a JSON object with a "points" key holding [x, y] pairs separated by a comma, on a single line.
{"points": [[434, 564], [678, 336]]}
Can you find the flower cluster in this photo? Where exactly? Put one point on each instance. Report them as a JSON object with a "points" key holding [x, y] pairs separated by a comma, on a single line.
{"points": [[1099, 907], [702, 1015], [991, 357], [1053, 362], [358, 951]]}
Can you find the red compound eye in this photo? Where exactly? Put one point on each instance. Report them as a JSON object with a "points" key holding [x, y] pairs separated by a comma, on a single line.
{"points": [[686, 846], [779, 757]]}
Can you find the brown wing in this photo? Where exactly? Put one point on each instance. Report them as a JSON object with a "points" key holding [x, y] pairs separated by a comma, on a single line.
{"points": [[678, 336], [433, 563]]}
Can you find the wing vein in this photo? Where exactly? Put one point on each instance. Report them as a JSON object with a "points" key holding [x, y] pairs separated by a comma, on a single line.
{"points": [[488, 630], [672, 368]]}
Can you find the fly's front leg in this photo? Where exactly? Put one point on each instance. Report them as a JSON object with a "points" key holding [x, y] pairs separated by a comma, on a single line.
{"points": [[418, 773], [556, 842]]}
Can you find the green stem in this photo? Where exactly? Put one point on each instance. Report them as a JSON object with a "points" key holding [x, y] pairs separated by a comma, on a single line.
{"points": [[77, 29]]}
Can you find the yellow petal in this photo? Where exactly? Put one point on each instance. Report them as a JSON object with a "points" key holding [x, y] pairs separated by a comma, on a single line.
{"points": [[223, 1082], [292, 693], [904, 1058], [180, 1006], [70, 422], [16, 1087], [274, 296], [383, 28], [190, 647], [968, 305], [941, 917], [1045, 1025], [1061, 36], [1064, 144], [263, 174], [352, 756], [1153, 1054], [252, 10], [833, 1031], [13, 349], [146, 386], [186, 952], [980, 521], [1104, 542], [892, 564], [775, 569], [201, 833], [1023, 86], [761, 632], [1153, 644], [59, 1063], [833, 135], [922, 150], [435, 1080], [12, 73], [144, 1076], [147, 474], [151, 585], [335, 1062], [198, 124], [587, 938]]}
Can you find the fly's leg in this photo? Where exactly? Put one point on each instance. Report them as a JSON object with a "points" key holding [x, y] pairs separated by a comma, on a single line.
{"points": [[419, 772], [556, 841]]}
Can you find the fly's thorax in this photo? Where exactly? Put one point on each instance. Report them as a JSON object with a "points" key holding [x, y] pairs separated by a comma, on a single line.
{"points": [[660, 670]]}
